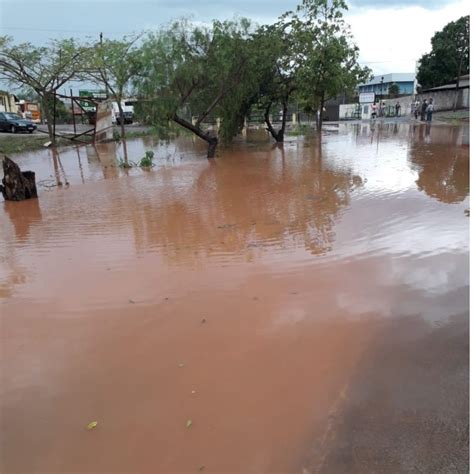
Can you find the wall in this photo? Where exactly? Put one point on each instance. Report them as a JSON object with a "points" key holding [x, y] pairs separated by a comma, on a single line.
{"points": [[442, 100]]}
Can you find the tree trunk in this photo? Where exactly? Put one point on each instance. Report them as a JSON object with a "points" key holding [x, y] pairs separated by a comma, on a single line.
{"points": [[17, 185], [321, 109], [211, 140], [279, 136], [49, 120], [122, 120]]}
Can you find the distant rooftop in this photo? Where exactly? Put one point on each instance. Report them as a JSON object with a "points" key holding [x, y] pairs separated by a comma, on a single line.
{"points": [[392, 77], [463, 83]]}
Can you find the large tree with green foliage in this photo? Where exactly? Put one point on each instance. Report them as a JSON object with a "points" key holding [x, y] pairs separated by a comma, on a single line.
{"points": [[114, 64], [325, 53], [43, 69], [191, 73], [276, 73], [449, 55]]}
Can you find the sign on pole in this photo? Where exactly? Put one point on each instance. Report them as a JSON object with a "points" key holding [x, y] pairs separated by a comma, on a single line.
{"points": [[93, 94], [366, 97]]}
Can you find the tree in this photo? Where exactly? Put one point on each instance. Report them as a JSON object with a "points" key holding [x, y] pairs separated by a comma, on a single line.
{"points": [[43, 69], [326, 54], [394, 90], [115, 63], [449, 55], [190, 73], [277, 74]]}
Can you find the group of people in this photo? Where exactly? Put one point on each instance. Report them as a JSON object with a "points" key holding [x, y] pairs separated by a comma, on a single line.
{"points": [[379, 110], [425, 111]]}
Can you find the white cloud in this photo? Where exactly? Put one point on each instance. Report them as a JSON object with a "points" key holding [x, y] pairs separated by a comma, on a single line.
{"points": [[392, 39]]}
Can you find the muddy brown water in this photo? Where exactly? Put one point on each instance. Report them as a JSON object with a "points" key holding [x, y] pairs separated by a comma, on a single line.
{"points": [[306, 307]]}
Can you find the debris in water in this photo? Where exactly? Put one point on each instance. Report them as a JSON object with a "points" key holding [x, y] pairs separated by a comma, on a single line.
{"points": [[467, 212], [193, 391], [131, 301], [181, 366], [203, 320], [201, 468], [92, 425], [189, 423]]}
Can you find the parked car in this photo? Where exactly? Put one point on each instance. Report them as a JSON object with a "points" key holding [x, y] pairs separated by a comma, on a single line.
{"points": [[10, 122]]}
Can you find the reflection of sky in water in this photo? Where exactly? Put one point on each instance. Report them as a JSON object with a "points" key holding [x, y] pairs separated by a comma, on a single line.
{"points": [[358, 211]]}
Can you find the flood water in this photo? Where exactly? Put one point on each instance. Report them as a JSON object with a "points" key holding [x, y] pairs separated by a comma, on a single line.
{"points": [[305, 307]]}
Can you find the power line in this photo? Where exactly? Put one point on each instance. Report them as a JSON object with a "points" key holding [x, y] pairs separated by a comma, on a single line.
{"points": [[21, 28]]}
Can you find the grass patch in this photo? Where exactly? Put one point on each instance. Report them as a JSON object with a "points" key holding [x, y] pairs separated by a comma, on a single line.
{"points": [[299, 130], [22, 143]]}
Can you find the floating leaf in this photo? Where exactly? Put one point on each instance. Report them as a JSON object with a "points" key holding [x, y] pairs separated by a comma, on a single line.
{"points": [[181, 366], [189, 423], [92, 425]]}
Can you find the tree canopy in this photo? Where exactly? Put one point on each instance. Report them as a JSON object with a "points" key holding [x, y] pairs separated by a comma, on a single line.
{"points": [[449, 55], [43, 69], [198, 75]]}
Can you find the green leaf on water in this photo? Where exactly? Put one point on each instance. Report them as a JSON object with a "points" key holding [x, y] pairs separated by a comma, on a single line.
{"points": [[189, 423], [92, 425]]}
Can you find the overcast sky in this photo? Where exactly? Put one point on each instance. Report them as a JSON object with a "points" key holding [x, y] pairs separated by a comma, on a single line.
{"points": [[391, 34]]}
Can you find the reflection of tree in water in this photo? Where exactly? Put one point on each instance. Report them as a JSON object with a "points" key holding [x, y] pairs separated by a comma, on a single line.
{"points": [[443, 171], [246, 202]]}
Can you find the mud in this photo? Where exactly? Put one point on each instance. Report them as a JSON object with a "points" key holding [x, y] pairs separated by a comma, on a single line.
{"points": [[306, 307]]}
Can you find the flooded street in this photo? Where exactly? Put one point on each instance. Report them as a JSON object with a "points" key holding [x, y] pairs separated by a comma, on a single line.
{"points": [[305, 308]]}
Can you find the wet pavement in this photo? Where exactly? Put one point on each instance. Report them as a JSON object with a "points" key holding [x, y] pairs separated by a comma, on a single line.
{"points": [[296, 309]]}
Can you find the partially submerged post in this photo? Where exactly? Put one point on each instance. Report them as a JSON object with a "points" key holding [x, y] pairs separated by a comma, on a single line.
{"points": [[17, 185]]}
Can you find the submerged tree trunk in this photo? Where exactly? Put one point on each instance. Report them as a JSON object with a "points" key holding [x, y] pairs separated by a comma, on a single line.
{"points": [[212, 141], [321, 110], [49, 118], [279, 136], [122, 119], [17, 185]]}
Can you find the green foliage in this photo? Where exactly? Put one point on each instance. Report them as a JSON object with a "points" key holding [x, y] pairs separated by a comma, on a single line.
{"points": [[326, 54], [276, 68], [191, 71], [63, 114], [113, 64], [147, 160], [42, 69], [449, 55], [301, 129], [394, 90], [126, 164]]}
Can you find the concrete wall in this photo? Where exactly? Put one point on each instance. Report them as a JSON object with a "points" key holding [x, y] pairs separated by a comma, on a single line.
{"points": [[442, 100]]}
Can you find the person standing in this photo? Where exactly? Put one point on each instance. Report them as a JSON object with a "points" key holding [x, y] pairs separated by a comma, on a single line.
{"points": [[397, 109], [374, 110], [429, 110], [424, 106]]}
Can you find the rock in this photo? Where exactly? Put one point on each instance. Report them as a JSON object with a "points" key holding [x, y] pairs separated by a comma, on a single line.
{"points": [[17, 185]]}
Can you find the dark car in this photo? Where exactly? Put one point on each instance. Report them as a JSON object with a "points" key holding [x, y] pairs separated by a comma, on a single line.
{"points": [[10, 122]]}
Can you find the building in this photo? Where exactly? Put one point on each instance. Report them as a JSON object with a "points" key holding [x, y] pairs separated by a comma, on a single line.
{"points": [[8, 102], [380, 84]]}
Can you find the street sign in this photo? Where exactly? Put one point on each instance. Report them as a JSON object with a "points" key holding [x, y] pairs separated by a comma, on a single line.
{"points": [[366, 97], [97, 94]]}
